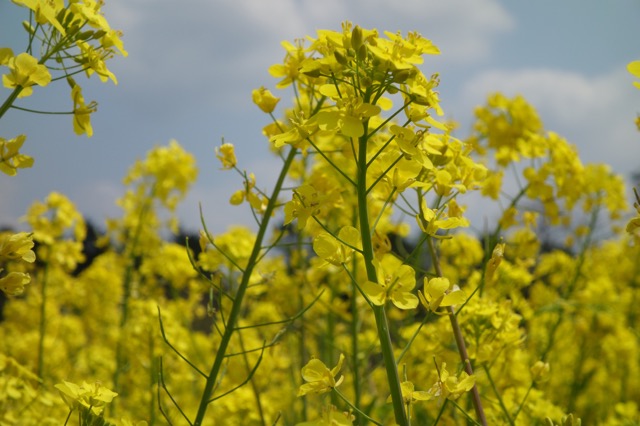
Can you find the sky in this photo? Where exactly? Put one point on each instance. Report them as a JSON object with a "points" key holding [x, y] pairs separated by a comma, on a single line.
{"points": [[193, 64]]}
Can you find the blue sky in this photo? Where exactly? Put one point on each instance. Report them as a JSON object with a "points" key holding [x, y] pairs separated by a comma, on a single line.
{"points": [[192, 66]]}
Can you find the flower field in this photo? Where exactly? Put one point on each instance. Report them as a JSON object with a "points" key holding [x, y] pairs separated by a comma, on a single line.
{"points": [[360, 296]]}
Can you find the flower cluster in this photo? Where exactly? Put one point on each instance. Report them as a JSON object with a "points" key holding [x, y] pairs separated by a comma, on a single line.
{"points": [[74, 37]]}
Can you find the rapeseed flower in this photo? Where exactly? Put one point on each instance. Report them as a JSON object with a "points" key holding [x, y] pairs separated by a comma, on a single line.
{"points": [[451, 386], [10, 157], [319, 377], [395, 281], [265, 100], [24, 72], [436, 293], [92, 396], [227, 156]]}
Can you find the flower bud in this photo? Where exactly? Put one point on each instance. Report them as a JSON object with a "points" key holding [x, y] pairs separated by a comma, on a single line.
{"points": [[356, 38], [342, 60], [28, 27], [265, 100]]}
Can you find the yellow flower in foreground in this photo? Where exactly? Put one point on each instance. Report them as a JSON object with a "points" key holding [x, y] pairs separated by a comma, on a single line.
{"points": [[46, 11], [91, 396], [450, 386], [25, 71], [410, 395], [434, 294], [10, 158], [264, 99], [13, 283], [395, 281], [337, 250], [320, 379], [17, 246], [431, 221]]}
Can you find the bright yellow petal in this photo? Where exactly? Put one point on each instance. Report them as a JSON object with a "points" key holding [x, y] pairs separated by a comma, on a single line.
{"points": [[454, 298], [376, 293]]}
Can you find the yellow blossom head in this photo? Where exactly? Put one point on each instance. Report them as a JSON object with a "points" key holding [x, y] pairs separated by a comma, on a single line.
{"points": [[265, 100]]}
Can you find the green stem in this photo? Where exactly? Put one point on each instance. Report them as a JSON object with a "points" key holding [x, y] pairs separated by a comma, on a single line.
{"points": [[237, 306], [381, 318], [10, 100], [355, 325], [354, 407], [500, 401]]}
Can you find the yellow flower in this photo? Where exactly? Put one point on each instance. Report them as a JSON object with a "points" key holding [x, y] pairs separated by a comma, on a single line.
{"points": [[305, 203], [350, 114], [290, 69], [91, 396], [25, 71], [436, 293], [257, 201], [13, 283], [395, 281], [93, 60], [431, 221], [17, 246], [450, 386], [227, 156], [540, 371], [10, 158], [5, 55], [46, 11], [410, 395], [339, 250], [300, 130], [320, 379], [171, 168], [264, 99], [81, 111]]}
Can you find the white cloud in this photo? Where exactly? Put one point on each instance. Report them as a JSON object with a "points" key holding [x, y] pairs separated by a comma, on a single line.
{"points": [[189, 44]]}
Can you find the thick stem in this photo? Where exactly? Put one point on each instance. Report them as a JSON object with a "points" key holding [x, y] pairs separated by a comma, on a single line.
{"points": [[355, 325], [10, 100], [382, 325], [234, 315]]}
